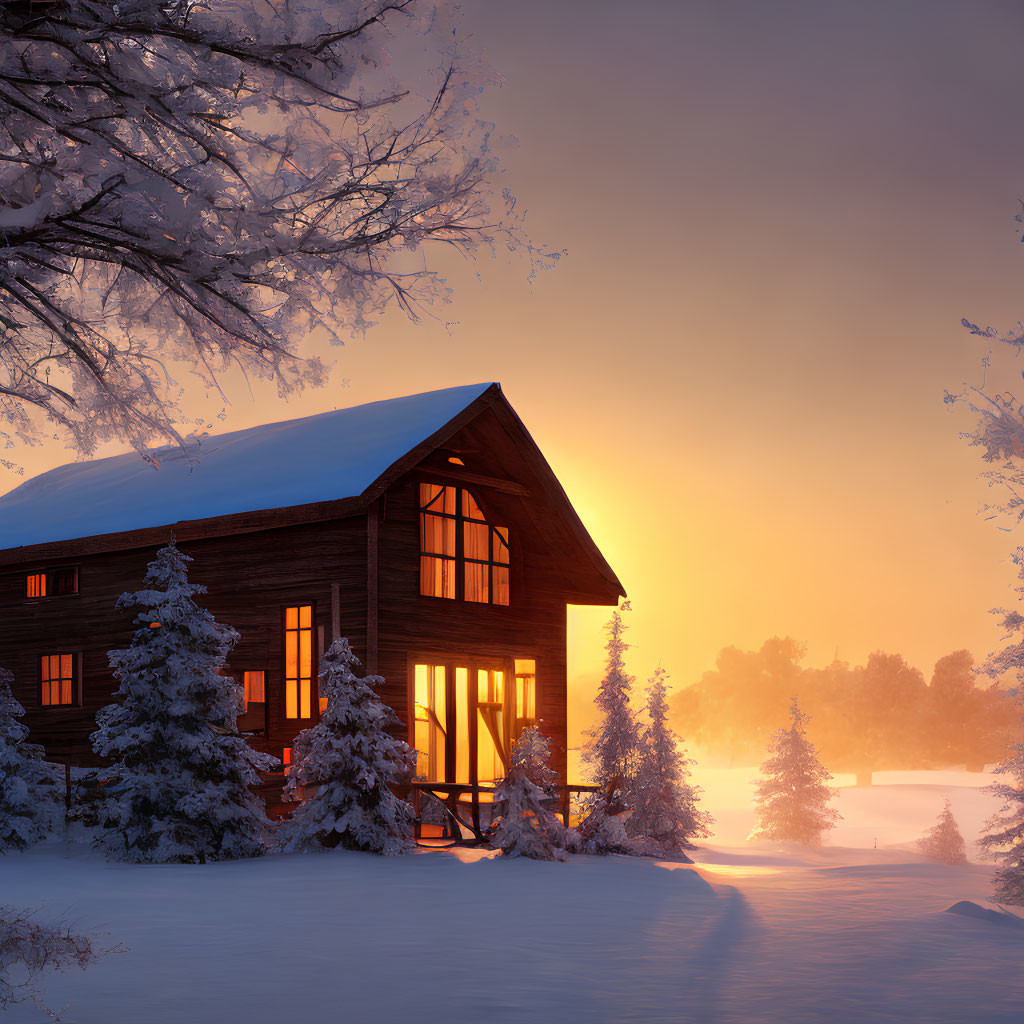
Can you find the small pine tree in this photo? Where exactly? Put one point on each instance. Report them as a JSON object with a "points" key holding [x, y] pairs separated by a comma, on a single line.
{"points": [[603, 831], [524, 825], [352, 760], [612, 751], [178, 786], [665, 813], [792, 795], [1004, 834], [943, 842], [28, 791]]}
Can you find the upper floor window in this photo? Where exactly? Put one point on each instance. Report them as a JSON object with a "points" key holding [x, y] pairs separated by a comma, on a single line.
{"points": [[461, 554], [52, 583]]}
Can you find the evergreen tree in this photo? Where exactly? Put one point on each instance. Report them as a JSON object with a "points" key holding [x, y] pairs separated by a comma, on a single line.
{"points": [[612, 751], [177, 790], [28, 792], [524, 825], [665, 812], [943, 842], [792, 796], [603, 831], [352, 760], [1004, 833]]}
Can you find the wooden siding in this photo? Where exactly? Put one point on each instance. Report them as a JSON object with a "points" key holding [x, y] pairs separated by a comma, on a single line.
{"points": [[359, 568]]}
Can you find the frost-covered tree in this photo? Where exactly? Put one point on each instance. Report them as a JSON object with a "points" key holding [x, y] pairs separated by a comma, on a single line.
{"points": [[352, 761], [202, 184], [178, 785], [943, 842], [613, 747], [792, 795], [525, 826], [28, 791], [1004, 833], [603, 831], [665, 812]]}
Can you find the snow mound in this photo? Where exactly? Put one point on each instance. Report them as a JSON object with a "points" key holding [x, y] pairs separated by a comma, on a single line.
{"points": [[967, 908]]}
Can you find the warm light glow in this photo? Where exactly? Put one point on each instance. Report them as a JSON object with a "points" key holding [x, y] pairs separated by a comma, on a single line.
{"points": [[431, 722], [298, 661], [483, 553], [56, 674], [35, 585], [254, 685], [733, 870]]}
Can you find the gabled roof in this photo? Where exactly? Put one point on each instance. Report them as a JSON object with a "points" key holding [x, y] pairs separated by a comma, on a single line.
{"points": [[331, 455], [318, 467]]}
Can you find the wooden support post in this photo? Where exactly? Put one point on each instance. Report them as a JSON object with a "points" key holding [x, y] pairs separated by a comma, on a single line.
{"points": [[372, 535]]}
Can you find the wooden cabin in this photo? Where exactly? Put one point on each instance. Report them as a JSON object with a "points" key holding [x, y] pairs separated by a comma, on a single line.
{"points": [[428, 529]]}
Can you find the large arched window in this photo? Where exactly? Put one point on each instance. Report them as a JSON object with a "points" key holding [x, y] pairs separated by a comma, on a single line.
{"points": [[462, 555]]}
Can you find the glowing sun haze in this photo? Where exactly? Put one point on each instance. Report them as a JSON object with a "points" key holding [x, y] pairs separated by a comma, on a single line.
{"points": [[775, 217]]}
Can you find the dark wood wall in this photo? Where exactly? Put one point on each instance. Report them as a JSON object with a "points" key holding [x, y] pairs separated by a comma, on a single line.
{"points": [[250, 579], [370, 560]]}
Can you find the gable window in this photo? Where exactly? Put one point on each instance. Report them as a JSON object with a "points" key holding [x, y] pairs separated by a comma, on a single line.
{"points": [[298, 661], [57, 679], [462, 555], [52, 583]]}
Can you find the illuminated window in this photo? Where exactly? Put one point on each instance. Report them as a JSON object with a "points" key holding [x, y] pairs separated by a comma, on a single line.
{"points": [[526, 696], [298, 661], [52, 583], [461, 554], [491, 738], [286, 760], [468, 716], [57, 679], [253, 717], [254, 684], [431, 728]]}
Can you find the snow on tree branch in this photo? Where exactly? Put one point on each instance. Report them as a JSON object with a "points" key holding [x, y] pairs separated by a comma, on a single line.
{"points": [[207, 184]]}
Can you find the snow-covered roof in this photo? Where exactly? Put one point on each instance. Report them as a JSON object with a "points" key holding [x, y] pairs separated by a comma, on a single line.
{"points": [[296, 462]]}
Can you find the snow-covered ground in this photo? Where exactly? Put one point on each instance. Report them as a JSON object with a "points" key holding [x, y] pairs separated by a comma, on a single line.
{"points": [[751, 932]]}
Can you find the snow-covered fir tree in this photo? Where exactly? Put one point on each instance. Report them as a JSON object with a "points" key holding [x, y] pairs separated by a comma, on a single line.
{"points": [[352, 760], [28, 791], [1004, 833], [943, 842], [665, 813], [525, 826], [792, 796], [613, 748], [603, 830], [179, 780]]}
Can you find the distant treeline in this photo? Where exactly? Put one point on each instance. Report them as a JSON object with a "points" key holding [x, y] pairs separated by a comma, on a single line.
{"points": [[865, 718]]}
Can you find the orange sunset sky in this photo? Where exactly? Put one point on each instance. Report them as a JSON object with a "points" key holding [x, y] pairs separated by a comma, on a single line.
{"points": [[775, 216]]}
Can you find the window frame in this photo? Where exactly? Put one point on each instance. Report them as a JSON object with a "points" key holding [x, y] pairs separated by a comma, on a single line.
{"points": [[496, 535], [48, 575], [512, 723], [75, 680], [313, 662], [246, 702]]}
